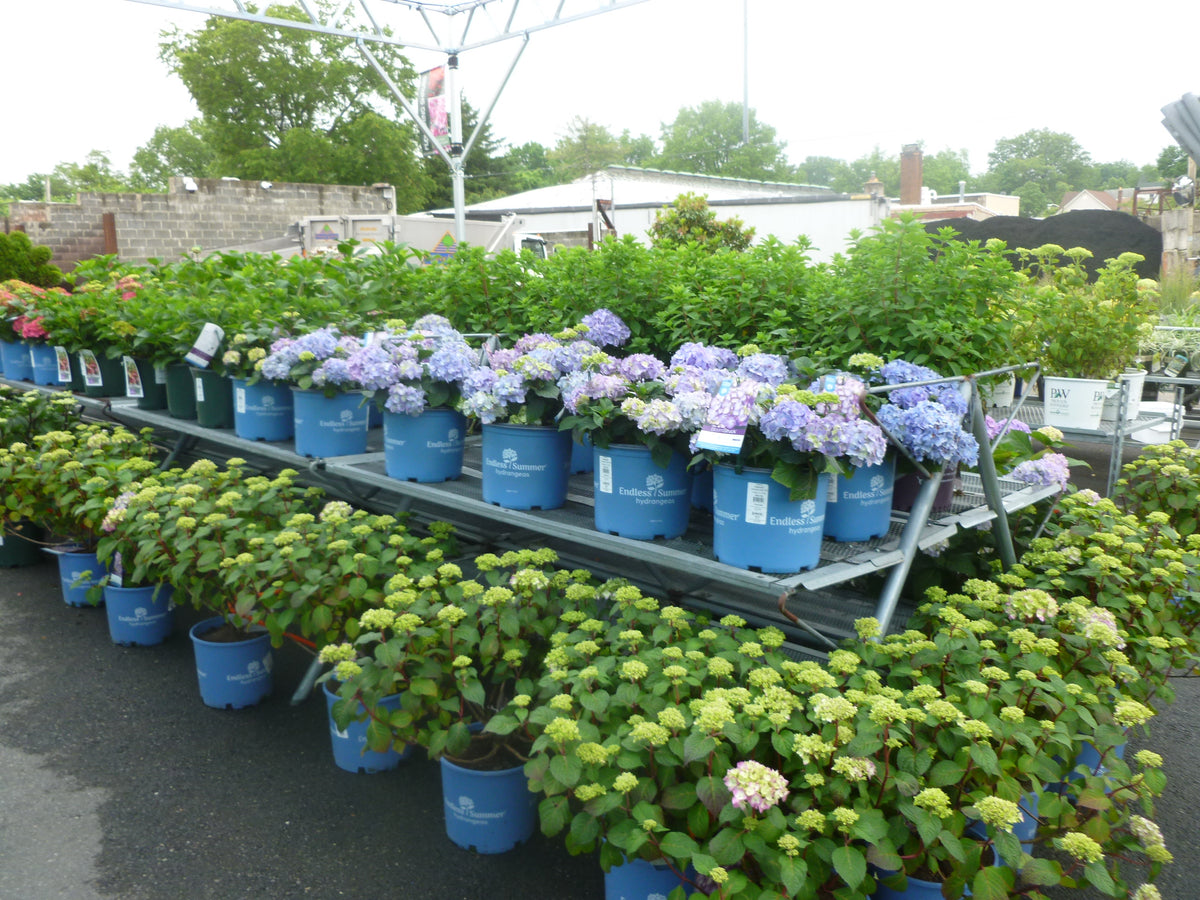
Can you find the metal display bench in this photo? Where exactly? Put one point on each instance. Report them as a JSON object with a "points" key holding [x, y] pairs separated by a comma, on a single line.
{"points": [[815, 608], [1114, 432]]}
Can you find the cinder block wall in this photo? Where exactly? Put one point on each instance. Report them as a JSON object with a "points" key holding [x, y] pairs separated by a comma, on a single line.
{"points": [[217, 214]]}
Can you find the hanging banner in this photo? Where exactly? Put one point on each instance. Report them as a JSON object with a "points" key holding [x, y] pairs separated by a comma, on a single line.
{"points": [[433, 109]]}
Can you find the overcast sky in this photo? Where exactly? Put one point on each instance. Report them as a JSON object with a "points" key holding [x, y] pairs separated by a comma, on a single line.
{"points": [[833, 79]]}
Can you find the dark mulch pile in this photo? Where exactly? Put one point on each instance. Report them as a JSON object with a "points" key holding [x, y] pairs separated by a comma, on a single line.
{"points": [[1107, 234]]}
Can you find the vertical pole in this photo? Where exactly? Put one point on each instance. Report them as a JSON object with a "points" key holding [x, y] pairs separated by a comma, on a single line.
{"points": [[457, 174], [745, 71], [989, 480]]}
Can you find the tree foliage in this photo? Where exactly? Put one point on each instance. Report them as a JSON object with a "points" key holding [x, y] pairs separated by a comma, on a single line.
{"points": [[173, 152], [20, 258], [286, 104], [708, 140]]}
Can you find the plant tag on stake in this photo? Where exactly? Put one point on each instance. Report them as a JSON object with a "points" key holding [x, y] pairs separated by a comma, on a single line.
{"points": [[199, 389], [133, 378], [206, 345], [64, 365], [721, 432], [91, 369]]}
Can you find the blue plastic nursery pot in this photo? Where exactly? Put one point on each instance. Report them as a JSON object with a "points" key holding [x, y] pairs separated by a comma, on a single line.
{"points": [[860, 506], [329, 426], [634, 498], [640, 880], [43, 364], [581, 456], [916, 890], [14, 356], [756, 525], [350, 746], [263, 411], [488, 811], [702, 488], [232, 675], [425, 448], [525, 466], [71, 565], [139, 616]]}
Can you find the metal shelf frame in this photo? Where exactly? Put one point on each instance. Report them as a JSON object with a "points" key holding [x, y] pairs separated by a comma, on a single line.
{"points": [[683, 569]]}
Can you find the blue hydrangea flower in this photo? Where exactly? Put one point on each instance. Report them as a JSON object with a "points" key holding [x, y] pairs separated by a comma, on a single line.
{"points": [[703, 356], [765, 367], [605, 328]]}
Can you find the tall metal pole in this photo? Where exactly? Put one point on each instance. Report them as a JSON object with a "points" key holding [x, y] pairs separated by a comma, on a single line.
{"points": [[458, 174], [745, 71]]}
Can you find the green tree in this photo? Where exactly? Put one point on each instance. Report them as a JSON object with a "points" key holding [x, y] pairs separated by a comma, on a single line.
{"points": [[95, 173], [269, 92], [707, 140], [689, 220], [854, 175], [824, 171], [172, 152], [22, 259], [1172, 162], [1038, 166], [585, 148], [527, 167], [942, 171]]}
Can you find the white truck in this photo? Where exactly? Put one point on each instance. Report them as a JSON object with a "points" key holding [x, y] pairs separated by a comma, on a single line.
{"points": [[421, 232]]}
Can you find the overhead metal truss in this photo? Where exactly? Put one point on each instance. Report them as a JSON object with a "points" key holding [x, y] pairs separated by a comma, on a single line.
{"points": [[438, 26]]}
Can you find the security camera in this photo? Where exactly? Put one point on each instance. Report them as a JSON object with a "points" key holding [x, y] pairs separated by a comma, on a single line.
{"points": [[189, 184], [265, 185]]}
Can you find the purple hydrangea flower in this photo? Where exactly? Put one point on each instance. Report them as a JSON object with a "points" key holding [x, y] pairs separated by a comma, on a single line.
{"points": [[405, 400], [930, 431], [765, 367], [755, 786], [1049, 470], [642, 367], [605, 328], [995, 429], [703, 356]]}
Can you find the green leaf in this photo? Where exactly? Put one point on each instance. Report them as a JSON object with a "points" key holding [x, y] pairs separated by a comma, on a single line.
{"points": [[697, 746], [711, 791], [1099, 878], [553, 812], [679, 796], [991, 884], [678, 845], [566, 770], [850, 864], [727, 846]]}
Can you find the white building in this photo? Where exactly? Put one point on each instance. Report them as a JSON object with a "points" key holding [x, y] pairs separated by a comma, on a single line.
{"points": [[626, 200]]}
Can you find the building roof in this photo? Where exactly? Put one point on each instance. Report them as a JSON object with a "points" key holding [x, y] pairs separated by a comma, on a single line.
{"points": [[630, 186], [1107, 200]]}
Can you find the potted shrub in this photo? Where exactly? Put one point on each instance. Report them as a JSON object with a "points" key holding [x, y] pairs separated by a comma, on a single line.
{"points": [[64, 480], [639, 418], [457, 650], [23, 416], [182, 521], [770, 493], [1087, 332], [517, 399], [331, 416], [417, 375]]}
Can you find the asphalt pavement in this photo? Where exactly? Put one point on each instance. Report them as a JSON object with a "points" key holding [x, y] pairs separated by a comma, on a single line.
{"points": [[117, 783]]}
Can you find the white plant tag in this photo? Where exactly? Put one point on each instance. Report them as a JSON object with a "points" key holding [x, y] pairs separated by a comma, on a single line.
{"points": [[605, 474], [206, 345], [756, 503]]}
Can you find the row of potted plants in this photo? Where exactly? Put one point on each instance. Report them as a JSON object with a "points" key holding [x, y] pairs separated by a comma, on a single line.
{"points": [[597, 683], [900, 291]]}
